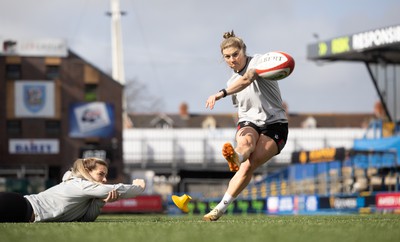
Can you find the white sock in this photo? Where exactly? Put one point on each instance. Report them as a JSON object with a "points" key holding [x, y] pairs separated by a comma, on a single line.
{"points": [[225, 202], [240, 157]]}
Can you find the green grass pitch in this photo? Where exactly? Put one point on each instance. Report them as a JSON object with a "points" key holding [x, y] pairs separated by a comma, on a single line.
{"points": [[190, 228]]}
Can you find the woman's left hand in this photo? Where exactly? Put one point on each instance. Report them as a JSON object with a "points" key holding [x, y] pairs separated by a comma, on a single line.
{"points": [[112, 197]]}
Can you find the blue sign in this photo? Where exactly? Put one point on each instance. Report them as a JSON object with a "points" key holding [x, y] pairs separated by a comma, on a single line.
{"points": [[94, 119]]}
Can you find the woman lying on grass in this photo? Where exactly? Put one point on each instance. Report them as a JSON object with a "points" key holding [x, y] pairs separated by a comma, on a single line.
{"points": [[79, 197]]}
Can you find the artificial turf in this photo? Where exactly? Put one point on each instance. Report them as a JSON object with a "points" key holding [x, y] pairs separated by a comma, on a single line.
{"points": [[190, 228]]}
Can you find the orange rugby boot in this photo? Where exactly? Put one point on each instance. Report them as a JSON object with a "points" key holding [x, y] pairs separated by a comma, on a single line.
{"points": [[231, 157]]}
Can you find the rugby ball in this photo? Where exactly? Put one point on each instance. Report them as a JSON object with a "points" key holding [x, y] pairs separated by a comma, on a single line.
{"points": [[275, 65]]}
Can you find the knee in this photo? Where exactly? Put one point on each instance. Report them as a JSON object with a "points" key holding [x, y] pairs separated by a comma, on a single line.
{"points": [[247, 142]]}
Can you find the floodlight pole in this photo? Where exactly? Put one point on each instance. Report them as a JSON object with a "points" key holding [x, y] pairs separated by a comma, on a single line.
{"points": [[118, 72], [116, 43]]}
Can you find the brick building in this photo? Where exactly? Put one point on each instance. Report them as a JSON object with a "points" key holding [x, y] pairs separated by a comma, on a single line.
{"points": [[55, 107]]}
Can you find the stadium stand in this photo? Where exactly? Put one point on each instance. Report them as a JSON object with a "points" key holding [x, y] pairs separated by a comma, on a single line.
{"points": [[371, 165]]}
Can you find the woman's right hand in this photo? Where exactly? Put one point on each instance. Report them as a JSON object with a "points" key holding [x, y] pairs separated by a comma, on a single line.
{"points": [[210, 103], [112, 197], [139, 182]]}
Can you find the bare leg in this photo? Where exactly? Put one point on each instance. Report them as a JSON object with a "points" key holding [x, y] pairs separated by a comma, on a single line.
{"points": [[265, 149], [246, 139]]}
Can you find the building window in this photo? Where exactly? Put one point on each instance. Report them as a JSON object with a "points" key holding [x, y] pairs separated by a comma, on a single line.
{"points": [[162, 125], [14, 127], [90, 92], [53, 127], [52, 72], [13, 72], [309, 123], [209, 123]]}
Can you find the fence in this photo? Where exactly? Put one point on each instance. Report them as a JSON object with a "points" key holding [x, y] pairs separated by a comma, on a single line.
{"points": [[175, 148]]}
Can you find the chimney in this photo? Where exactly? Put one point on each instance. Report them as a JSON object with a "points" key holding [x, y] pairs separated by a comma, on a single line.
{"points": [[183, 111]]}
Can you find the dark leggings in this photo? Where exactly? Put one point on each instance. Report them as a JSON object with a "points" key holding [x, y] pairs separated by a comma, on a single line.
{"points": [[14, 208]]}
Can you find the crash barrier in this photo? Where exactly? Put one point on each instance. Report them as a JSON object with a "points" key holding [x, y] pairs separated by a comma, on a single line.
{"points": [[139, 204], [388, 202]]}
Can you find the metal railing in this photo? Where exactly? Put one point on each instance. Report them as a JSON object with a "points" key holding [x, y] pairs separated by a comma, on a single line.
{"points": [[201, 148]]}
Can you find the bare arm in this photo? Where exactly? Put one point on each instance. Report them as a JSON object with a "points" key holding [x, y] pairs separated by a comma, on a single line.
{"points": [[235, 87]]}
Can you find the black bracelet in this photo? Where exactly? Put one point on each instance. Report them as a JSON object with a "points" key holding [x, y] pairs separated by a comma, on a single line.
{"points": [[224, 91]]}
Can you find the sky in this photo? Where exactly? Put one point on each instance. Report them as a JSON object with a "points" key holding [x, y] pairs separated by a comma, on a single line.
{"points": [[172, 47]]}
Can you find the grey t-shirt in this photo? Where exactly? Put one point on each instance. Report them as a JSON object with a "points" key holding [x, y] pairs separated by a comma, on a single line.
{"points": [[261, 101], [76, 199]]}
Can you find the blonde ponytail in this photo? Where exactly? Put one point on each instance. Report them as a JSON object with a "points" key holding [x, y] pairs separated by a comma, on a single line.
{"points": [[82, 167]]}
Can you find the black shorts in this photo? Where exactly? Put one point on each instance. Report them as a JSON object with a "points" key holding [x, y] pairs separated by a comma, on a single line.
{"points": [[14, 207], [276, 131]]}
